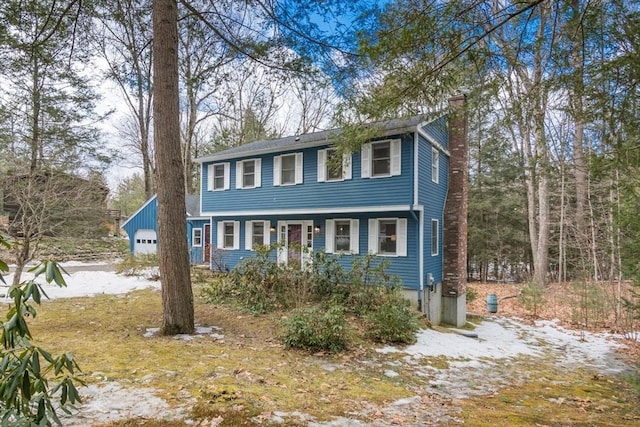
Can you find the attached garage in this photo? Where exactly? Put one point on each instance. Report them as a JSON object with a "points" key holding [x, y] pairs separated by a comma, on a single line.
{"points": [[145, 242]]}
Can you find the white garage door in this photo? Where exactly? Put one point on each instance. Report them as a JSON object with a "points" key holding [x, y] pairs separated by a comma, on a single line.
{"points": [[145, 242]]}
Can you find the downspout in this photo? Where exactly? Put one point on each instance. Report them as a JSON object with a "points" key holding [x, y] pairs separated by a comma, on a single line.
{"points": [[415, 185]]}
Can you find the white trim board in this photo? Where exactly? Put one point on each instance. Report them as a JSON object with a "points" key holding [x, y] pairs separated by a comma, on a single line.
{"points": [[133, 215], [312, 211]]}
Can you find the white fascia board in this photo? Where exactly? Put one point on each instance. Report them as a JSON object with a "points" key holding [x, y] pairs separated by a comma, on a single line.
{"points": [[311, 211], [138, 211], [197, 218], [432, 141]]}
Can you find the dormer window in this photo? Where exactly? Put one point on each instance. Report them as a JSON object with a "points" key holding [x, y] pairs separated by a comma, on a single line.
{"points": [[381, 159]]}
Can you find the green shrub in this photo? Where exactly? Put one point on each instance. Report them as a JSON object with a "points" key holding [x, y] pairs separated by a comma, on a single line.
{"points": [[393, 322], [366, 285], [313, 329]]}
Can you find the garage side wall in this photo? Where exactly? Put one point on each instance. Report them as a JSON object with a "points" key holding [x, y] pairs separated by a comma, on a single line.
{"points": [[144, 219]]}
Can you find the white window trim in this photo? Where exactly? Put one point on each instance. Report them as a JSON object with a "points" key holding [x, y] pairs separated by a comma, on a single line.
{"points": [[366, 159], [236, 235], [323, 156], [211, 178], [401, 236], [354, 237], [193, 237], [435, 165], [257, 174], [248, 234], [277, 170], [437, 234]]}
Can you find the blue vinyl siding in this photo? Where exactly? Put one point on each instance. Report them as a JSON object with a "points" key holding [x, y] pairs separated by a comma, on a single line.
{"points": [[405, 267], [356, 192], [432, 197], [438, 130], [145, 219], [196, 254]]}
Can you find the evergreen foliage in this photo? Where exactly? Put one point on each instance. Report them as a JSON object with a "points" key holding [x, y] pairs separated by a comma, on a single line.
{"points": [[34, 385]]}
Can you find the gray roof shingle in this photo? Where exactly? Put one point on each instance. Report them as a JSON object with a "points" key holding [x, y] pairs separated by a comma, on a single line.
{"points": [[310, 139]]}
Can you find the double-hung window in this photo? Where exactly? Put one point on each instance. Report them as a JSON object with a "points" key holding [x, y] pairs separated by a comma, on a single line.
{"points": [[228, 235], [342, 235], [435, 233], [435, 165], [256, 233], [333, 168], [196, 237], [388, 236], [218, 177], [381, 159], [248, 173], [287, 169]]}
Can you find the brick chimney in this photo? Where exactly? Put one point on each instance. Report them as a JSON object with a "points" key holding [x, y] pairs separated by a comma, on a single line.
{"points": [[454, 284]]}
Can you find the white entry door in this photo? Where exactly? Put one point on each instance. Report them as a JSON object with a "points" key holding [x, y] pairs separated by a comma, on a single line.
{"points": [[296, 239]]}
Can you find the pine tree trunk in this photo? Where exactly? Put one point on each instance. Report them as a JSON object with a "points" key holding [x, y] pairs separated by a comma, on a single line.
{"points": [[177, 295]]}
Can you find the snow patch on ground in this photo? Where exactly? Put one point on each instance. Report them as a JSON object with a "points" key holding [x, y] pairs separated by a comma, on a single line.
{"points": [[112, 402], [90, 283]]}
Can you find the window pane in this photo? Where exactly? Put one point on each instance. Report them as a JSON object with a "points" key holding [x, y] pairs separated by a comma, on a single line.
{"points": [[333, 165], [248, 175], [258, 234], [343, 236], [288, 169], [435, 157], [382, 158], [228, 235], [387, 237], [218, 177], [434, 237]]}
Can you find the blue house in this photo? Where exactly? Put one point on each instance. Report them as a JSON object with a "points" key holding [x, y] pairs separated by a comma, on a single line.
{"points": [[142, 228], [402, 197]]}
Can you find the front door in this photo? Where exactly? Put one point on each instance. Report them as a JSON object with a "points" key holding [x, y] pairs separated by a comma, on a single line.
{"points": [[294, 245], [296, 240]]}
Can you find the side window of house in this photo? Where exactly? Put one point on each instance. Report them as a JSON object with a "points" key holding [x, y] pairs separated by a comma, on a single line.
{"points": [[435, 165], [218, 177], [381, 159], [287, 169], [228, 235], [248, 173], [332, 168], [435, 233], [342, 235], [196, 240], [388, 236]]}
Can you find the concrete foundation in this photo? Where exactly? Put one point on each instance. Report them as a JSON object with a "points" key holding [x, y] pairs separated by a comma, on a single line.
{"points": [[454, 310], [432, 306]]}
